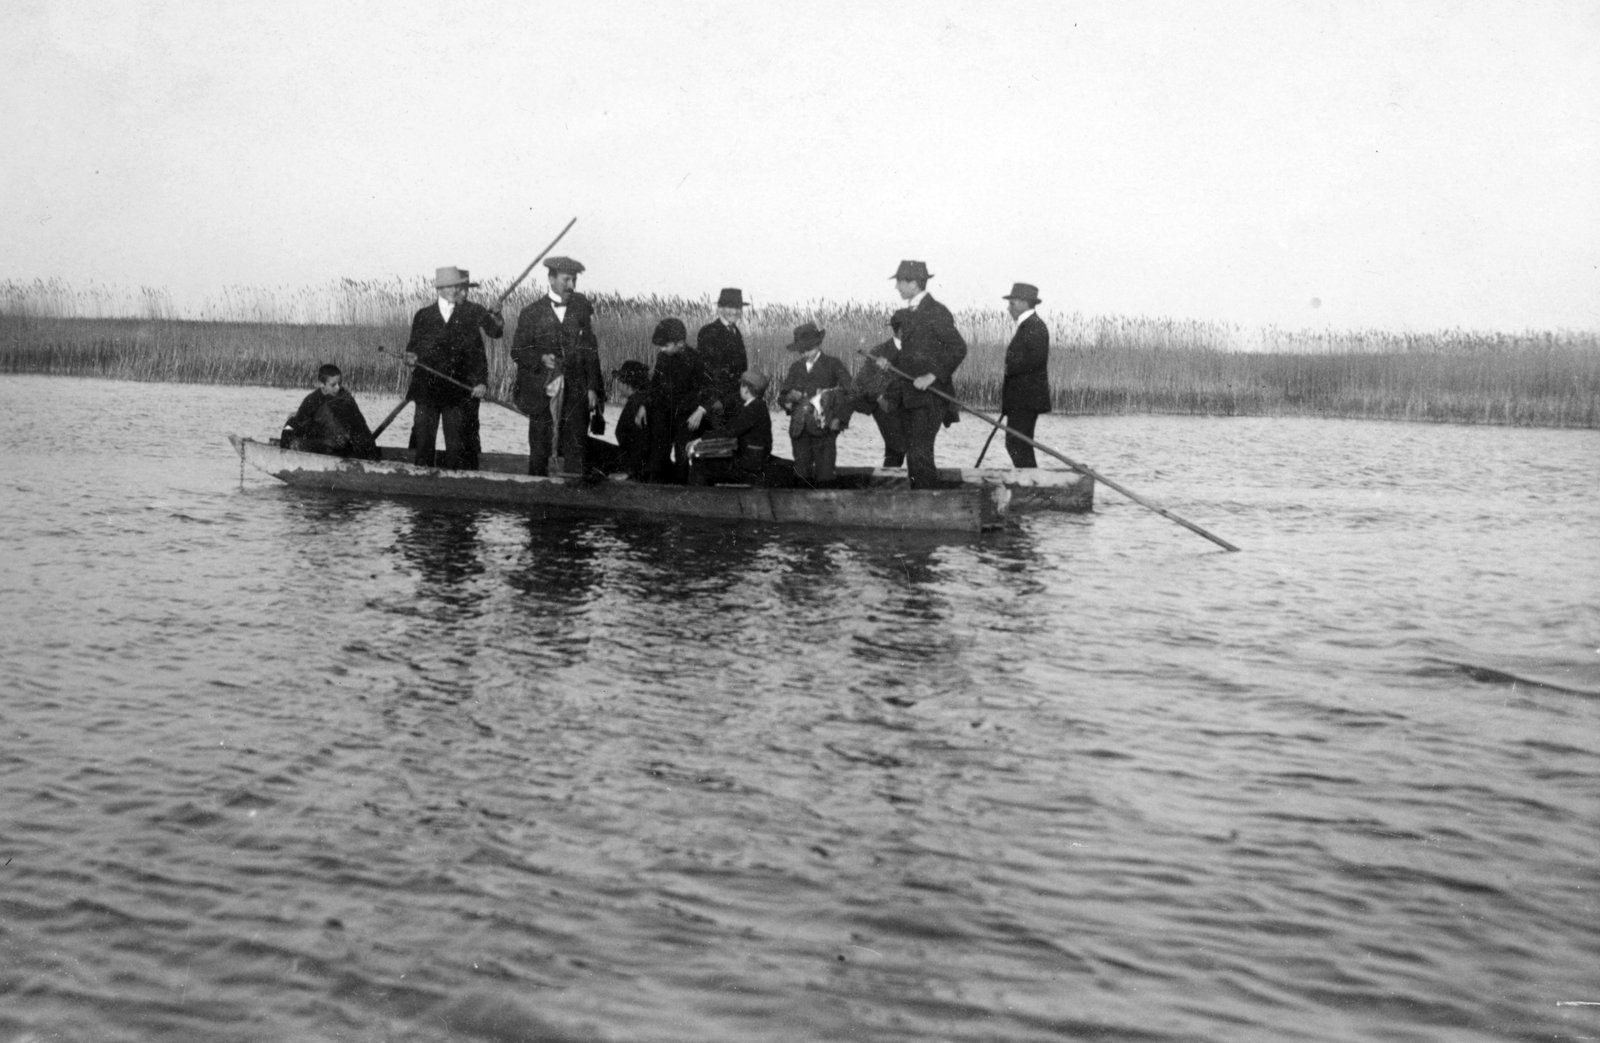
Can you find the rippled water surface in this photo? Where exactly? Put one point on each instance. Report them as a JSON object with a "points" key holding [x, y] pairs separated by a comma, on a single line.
{"points": [[280, 766]]}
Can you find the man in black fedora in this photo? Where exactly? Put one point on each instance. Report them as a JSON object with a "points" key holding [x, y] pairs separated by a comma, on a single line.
{"points": [[931, 349], [722, 355], [447, 336], [559, 381], [1026, 391]]}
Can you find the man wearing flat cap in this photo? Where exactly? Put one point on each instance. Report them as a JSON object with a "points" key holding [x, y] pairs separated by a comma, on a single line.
{"points": [[722, 355], [931, 349], [447, 336], [559, 381], [1026, 391]]}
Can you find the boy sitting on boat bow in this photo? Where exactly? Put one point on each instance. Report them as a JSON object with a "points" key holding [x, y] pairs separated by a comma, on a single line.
{"points": [[329, 421]]}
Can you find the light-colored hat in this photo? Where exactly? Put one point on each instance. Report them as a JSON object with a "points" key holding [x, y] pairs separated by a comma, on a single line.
{"points": [[451, 276]]}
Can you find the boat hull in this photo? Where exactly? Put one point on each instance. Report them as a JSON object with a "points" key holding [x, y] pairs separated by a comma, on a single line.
{"points": [[971, 508]]}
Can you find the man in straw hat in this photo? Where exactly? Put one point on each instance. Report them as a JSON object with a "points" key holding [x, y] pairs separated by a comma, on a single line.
{"points": [[1026, 391], [447, 336], [722, 354], [930, 351], [559, 381], [815, 395]]}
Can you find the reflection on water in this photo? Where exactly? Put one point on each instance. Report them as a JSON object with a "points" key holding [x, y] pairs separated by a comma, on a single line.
{"points": [[291, 766]]}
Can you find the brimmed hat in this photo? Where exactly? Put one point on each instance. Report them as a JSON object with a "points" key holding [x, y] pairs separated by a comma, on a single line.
{"points": [[451, 276], [807, 335], [898, 319], [730, 298], [562, 264], [669, 331], [633, 373], [756, 381], [912, 270], [1021, 291]]}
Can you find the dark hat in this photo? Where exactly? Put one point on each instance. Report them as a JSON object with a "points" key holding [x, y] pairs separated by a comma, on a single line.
{"points": [[730, 298], [633, 373], [898, 319], [562, 264], [757, 381], [912, 270], [1021, 291], [807, 335], [669, 331]]}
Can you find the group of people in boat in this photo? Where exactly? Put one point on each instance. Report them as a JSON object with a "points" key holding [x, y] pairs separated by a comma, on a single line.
{"points": [[700, 414]]}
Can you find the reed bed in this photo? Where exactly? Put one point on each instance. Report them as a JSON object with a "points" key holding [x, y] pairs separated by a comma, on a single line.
{"points": [[1100, 364]]}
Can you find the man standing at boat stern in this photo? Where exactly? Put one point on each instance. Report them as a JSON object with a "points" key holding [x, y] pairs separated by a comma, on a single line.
{"points": [[723, 356], [1026, 391], [559, 381], [931, 349], [447, 336]]}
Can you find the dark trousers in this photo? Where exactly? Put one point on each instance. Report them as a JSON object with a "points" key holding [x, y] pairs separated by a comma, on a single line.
{"points": [[669, 440], [574, 440], [461, 445], [814, 457], [922, 428], [892, 427], [1021, 452]]}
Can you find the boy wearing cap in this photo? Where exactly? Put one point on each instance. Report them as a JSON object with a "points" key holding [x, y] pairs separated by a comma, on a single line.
{"points": [[633, 425], [1026, 391], [676, 402], [751, 429], [931, 349], [559, 381], [722, 354], [329, 421], [447, 336], [815, 415]]}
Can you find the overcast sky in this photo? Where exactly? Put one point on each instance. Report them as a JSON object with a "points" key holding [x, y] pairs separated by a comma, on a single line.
{"points": [[1414, 164]]}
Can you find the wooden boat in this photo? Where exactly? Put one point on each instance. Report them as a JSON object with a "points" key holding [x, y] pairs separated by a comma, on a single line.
{"points": [[877, 499]]}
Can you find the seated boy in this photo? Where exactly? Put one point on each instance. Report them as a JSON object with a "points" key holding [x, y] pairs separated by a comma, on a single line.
{"points": [[329, 421], [631, 454], [750, 433]]}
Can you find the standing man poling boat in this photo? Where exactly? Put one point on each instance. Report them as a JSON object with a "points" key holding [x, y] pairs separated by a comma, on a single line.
{"points": [[559, 382], [1026, 391], [931, 349], [447, 336], [723, 356]]}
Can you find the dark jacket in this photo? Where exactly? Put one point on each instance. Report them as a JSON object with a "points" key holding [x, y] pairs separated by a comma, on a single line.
{"points": [[330, 424], [454, 348], [677, 385], [1027, 385], [873, 382], [632, 439], [573, 343], [827, 372], [752, 426], [929, 343], [724, 359]]}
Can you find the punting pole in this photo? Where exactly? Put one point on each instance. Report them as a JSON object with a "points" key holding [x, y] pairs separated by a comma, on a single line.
{"points": [[429, 369], [1080, 468], [985, 451]]}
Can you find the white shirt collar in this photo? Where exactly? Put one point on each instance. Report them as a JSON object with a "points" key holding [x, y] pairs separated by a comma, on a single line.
{"points": [[558, 304], [1023, 317], [913, 302], [446, 307]]}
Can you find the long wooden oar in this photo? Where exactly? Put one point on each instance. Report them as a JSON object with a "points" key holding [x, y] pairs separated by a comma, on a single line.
{"points": [[390, 418], [1080, 468], [467, 387], [986, 441], [501, 300]]}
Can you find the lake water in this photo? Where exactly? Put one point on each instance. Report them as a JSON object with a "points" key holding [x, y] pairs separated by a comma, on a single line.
{"points": [[283, 766]]}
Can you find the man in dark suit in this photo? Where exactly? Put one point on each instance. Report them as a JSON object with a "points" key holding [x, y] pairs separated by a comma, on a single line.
{"points": [[1026, 391], [448, 336], [559, 381], [930, 351], [722, 356]]}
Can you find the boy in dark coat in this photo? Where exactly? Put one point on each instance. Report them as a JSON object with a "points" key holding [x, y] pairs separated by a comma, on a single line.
{"points": [[815, 415], [1026, 391], [751, 430], [676, 402], [329, 421], [631, 454]]}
